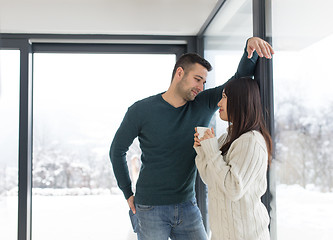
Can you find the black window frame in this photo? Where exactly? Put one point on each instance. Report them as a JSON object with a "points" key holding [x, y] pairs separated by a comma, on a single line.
{"points": [[28, 44]]}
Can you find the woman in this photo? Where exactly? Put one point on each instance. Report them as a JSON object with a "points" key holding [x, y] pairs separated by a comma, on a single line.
{"points": [[234, 166]]}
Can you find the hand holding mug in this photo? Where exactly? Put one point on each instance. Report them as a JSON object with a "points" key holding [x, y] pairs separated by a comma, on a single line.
{"points": [[202, 133]]}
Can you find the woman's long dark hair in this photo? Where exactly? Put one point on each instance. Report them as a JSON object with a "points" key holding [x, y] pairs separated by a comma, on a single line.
{"points": [[244, 112]]}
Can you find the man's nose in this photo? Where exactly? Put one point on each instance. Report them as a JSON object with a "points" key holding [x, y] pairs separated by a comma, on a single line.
{"points": [[201, 87]]}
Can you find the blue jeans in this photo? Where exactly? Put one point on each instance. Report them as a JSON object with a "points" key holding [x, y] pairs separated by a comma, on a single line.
{"points": [[178, 221]]}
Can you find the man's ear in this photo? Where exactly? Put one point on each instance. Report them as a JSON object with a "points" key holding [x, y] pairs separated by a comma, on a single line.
{"points": [[179, 73]]}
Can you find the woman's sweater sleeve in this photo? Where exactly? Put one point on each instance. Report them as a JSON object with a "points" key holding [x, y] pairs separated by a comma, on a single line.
{"points": [[246, 159], [201, 159], [201, 164]]}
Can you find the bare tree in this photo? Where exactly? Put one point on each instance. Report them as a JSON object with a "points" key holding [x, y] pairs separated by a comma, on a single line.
{"points": [[303, 145]]}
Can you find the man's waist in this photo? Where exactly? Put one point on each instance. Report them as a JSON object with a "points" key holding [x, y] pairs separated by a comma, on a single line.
{"points": [[156, 199]]}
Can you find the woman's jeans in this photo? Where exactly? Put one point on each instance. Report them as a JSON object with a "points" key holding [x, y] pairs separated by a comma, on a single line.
{"points": [[178, 221]]}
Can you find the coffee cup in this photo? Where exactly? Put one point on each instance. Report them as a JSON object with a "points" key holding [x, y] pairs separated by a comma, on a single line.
{"points": [[201, 131]]}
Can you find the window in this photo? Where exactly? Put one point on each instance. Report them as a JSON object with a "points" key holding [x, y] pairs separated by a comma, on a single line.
{"points": [[9, 126], [225, 40], [79, 103], [303, 119], [224, 43]]}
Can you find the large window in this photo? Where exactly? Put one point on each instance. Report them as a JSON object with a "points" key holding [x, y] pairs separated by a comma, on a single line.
{"points": [[79, 102], [303, 86], [9, 125], [224, 44]]}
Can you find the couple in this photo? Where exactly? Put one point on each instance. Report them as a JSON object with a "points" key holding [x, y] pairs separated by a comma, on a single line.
{"points": [[164, 204]]}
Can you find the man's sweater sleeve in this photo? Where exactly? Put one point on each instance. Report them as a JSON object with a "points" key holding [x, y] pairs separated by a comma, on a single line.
{"points": [[246, 68], [123, 138]]}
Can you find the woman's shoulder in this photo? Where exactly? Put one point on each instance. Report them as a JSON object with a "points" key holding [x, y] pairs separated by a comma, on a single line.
{"points": [[252, 136]]}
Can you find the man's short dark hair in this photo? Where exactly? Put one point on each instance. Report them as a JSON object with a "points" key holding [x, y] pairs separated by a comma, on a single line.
{"points": [[186, 61]]}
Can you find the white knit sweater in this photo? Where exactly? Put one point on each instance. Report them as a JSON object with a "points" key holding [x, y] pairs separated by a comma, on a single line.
{"points": [[235, 184]]}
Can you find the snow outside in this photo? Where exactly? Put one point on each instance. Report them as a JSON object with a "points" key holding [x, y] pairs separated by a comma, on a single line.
{"points": [[75, 195]]}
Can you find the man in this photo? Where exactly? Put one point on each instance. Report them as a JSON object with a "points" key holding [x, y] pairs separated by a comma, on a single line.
{"points": [[164, 204]]}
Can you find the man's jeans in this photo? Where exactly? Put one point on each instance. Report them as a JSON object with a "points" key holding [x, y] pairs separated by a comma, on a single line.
{"points": [[178, 221]]}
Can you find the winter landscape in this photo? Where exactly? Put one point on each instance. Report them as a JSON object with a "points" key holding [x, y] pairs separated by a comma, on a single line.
{"points": [[305, 214], [75, 195]]}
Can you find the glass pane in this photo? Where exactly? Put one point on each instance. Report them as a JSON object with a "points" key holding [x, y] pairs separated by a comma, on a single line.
{"points": [[9, 126], [303, 119], [224, 45], [79, 103]]}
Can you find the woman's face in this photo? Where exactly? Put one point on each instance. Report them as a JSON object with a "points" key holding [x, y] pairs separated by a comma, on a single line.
{"points": [[223, 107]]}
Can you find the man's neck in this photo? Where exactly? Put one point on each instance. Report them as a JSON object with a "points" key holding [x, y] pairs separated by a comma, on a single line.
{"points": [[173, 99]]}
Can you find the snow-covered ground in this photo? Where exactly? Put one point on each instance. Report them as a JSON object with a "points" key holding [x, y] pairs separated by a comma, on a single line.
{"points": [[89, 217], [304, 214], [301, 214]]}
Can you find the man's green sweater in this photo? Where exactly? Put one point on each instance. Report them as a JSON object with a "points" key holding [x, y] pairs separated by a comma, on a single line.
{"points": [[165, 133]]}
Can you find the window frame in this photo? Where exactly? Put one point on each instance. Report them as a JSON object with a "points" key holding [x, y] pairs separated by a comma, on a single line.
{"points": [[149, 44]]}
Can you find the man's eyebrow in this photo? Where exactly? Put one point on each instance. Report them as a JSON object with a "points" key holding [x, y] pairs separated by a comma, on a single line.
{"points": [[199, 76]]}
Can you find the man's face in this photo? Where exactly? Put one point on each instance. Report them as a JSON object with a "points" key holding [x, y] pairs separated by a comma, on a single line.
{"points": [[193, 82]]}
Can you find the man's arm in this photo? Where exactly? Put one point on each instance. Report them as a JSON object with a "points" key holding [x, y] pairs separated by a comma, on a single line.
{"points": [[123, 138], [263, 48], [255, 47]]}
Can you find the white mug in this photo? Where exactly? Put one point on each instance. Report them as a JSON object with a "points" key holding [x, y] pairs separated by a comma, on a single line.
{"points": [[201, 131]]}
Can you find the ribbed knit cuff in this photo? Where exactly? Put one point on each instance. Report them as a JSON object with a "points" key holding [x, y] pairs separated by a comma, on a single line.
{"points": [[210, 147], [199, 151]]}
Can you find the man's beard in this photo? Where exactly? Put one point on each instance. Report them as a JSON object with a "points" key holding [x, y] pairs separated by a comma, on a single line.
{"points": [[187, 94], [190, 96]]}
